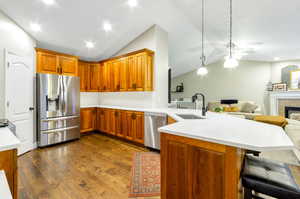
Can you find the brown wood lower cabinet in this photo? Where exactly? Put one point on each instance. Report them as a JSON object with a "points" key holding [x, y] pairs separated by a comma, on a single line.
{"points": [[88, 119], [8, 163], [197, 169], [125, 124]]}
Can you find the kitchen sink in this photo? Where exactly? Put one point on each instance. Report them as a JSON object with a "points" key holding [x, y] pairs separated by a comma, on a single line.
{"points": [[189, 117]]}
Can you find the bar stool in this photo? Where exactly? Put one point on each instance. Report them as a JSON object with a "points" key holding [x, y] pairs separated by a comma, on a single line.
{"points": [[269, 178]]}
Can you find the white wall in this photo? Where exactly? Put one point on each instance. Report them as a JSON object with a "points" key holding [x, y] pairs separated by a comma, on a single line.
{"points": [[12, 37], [89, 98], [276, 69], [155, 39], [247, 82]]}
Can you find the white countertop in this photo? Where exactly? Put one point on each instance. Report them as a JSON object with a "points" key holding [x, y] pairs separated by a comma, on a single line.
{"points": [[222, 129], [4, 188], [8, 140]]}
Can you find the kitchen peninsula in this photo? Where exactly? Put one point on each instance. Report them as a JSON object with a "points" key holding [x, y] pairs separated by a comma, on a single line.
{"points": [[203, 158]]}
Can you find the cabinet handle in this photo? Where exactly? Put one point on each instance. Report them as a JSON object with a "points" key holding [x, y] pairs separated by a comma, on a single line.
{"points": [[118, 87], [116, 114], [133, 116]]}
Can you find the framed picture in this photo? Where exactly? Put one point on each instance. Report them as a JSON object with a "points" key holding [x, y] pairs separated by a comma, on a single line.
{"points": [[295, 80], [280, 87]]}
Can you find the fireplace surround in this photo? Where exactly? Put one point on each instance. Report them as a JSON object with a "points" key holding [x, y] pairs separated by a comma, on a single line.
{"points": [[280, 101]]}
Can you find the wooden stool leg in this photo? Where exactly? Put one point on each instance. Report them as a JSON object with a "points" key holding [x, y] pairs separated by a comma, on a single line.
{"points": [[247, 193]]}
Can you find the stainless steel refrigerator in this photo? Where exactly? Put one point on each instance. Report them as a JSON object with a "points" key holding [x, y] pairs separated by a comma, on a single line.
{"points": [[58, 102]]}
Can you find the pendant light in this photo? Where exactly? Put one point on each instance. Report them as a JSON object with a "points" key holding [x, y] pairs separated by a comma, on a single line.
{"points": [[202, 70], [230, 61]]}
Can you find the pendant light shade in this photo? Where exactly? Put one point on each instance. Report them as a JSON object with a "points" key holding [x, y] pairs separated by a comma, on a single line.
{"points": [[202, 71], [230, 61]]}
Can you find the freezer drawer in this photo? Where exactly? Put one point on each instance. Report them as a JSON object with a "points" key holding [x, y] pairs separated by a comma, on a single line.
{"points": [[54, 136], [61, 122]]}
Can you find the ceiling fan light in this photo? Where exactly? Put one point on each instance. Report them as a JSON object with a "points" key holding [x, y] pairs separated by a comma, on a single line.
{"points": [[202, 71], [231, 62]]}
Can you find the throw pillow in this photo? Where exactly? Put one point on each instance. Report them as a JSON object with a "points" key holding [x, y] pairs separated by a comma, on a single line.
{"points": [[231, 109], [249, 108]]}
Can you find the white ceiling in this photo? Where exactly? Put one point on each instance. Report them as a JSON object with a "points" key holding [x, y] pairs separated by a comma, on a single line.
{"points": [[266, 28]]}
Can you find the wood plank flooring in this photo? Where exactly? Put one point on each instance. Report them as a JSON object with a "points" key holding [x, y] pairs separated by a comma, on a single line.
{"points": [[94, 167]]}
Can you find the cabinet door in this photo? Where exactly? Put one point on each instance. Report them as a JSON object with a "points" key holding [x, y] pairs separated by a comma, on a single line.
{"points": [[122, 130], [68, 65], [106, 76], [87, 119], [101, 123], [118, 123], [136, 76], [138, 122], [94, 73], [131, 62], [111, 122], [123, 74], [47, 63], [141, 62], [129, 133], [84, 76], [116, 75]]}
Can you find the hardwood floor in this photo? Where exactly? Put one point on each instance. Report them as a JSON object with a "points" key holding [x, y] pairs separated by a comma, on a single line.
{"points": [[94, 167]]}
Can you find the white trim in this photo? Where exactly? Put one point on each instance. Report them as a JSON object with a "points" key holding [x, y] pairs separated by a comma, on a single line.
{"points": [[276, 96]]}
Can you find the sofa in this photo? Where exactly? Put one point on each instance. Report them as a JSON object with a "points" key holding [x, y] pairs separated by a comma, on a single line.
{"points": [[292, 129], [248, 115]]}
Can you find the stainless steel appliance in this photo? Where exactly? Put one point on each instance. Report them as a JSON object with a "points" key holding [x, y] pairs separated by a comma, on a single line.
{"points": [[58, 102], [152, 122]]}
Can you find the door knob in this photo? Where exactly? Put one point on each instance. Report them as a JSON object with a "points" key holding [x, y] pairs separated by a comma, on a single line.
{"points": [[31, 108]]}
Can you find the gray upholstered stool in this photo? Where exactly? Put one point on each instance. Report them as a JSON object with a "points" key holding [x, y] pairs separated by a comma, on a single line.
{"points": [[270, 178]]}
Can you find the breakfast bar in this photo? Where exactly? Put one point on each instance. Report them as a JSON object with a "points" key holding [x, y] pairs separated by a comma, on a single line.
{"points": [[203, 158]]}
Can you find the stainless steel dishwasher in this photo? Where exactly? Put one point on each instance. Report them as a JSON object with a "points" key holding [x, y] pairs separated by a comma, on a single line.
{"points": [[152, 122]]}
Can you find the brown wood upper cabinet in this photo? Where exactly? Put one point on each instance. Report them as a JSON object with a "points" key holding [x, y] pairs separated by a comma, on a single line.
{"points": [[88, 118], [130, 72], [56, 63], [89, 74]]}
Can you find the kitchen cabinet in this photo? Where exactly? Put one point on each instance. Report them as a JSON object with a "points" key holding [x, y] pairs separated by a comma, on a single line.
{"points": [[192, 168], [106, 76], [89, 74], [56, 63], [94, 77], [8, 163], [125, 124], [101, 121], [83, 72], [130, 72], [135, 127], [88, 118], [140, 68]]}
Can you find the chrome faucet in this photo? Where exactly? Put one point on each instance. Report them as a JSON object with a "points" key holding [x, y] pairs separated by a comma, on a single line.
{"points": [[195, 97]]}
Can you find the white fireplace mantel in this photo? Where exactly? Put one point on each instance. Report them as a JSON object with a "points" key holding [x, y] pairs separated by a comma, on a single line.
{"points": [[276, 96]]}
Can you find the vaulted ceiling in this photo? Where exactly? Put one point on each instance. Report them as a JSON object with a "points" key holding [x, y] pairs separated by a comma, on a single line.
{"points": [[262, 29]]}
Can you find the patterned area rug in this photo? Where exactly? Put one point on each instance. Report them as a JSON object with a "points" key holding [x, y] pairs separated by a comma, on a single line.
{"points": [[145, 175]]}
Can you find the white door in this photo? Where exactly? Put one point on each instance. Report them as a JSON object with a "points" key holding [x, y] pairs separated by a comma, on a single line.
{"points": [[19, 98]]}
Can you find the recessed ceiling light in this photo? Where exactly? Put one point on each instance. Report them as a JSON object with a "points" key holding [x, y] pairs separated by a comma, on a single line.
{"points": [[107, 27], [49, 2], [277, 58], [35, 27], [132, 3], [89, 44]]}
